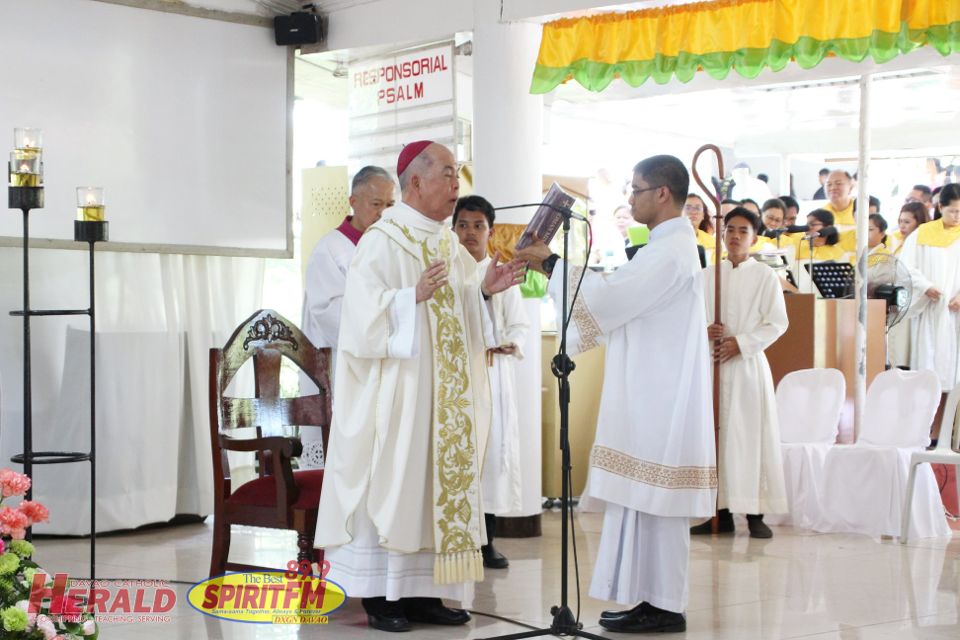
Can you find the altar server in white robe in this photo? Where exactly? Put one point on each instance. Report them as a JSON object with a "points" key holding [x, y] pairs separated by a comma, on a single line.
{"points": [[500, 478], [653, 464], [371, 191], [400, 516], [753, 317], [933, 254]]}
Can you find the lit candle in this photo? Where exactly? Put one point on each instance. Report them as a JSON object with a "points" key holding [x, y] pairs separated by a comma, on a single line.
{"points": [[28, 138], [90, 204], [25, 169]]}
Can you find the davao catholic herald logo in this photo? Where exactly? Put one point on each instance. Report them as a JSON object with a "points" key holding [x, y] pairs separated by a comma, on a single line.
{"points": [[295, 596]]}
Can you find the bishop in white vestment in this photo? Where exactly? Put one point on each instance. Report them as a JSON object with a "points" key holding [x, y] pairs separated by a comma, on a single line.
{"points": [[371, 191], [400, 518], [753, 317], [653, 465]]}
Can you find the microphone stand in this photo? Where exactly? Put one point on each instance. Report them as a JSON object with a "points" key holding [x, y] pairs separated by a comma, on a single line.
{"points": [[564, 622], [810, 261]]}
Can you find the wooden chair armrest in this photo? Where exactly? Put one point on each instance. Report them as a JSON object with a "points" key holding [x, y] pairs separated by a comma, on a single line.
{"points": [[278, 452], [281, 446]]}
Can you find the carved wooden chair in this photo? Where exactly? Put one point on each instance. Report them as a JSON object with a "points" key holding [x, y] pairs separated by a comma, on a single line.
{"points": [[278, 498]]}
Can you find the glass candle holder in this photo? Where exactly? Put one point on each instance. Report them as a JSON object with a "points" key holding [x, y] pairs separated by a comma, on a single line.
{"points": [[25, 169], [90, 204], [27, 138]]}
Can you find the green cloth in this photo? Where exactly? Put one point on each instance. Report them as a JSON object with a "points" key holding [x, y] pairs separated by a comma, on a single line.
{"points": [[534, 285]]}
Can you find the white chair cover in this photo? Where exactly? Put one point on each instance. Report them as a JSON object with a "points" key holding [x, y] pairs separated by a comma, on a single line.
{"points": [[809, 403], [900, 407], [943, 454], [864, 484]]}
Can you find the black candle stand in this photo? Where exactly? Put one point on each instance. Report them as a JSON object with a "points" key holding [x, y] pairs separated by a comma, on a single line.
{"points": [[91, 232]]}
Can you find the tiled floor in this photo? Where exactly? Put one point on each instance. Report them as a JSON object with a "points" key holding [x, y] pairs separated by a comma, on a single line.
{"points": [[797, 585]]}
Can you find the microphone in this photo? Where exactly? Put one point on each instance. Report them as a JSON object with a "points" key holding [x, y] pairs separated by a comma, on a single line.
{"points": [[564, 211], [826, 232]]}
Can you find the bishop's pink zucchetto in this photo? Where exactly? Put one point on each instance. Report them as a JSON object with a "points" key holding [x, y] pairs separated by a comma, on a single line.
{"points": [[410, 152]]}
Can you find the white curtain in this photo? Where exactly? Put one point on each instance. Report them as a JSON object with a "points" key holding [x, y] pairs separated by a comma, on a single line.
{"points": [[157, 318]]}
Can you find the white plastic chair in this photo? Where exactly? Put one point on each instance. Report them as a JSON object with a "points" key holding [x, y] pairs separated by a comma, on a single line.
{"points": [[864, 484], [943, 454], [809, 403]]}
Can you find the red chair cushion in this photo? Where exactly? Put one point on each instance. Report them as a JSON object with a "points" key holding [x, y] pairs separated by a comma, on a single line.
{"points": [[262, 492]]}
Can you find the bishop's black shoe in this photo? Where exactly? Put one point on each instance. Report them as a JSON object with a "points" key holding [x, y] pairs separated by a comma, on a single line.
{"points": [[432, 611], [611, 614], [653, 620], [385, 615]]}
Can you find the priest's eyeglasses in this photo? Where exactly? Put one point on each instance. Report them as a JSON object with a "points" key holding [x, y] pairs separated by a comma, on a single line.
{"points": [[639, 191]]}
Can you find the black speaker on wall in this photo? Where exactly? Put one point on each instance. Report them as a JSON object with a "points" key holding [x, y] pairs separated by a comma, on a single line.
{"points": [[299, 28]]}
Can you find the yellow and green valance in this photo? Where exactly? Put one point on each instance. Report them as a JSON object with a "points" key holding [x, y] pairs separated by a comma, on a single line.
{"points": [[743, 35]]}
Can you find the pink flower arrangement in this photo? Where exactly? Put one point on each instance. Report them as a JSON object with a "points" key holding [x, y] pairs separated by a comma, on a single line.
{"points": [[20, 574], [13, 483], [14, 522], [34, 511]]}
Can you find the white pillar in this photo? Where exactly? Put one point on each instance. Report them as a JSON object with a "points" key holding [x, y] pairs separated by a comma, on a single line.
{"points": [[507, 119], [863, 214], [507, 137]]}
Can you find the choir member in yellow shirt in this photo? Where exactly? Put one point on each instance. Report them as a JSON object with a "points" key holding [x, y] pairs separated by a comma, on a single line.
{"points": [[877, 235], [695, 209], [912, 215], [825, 242]]}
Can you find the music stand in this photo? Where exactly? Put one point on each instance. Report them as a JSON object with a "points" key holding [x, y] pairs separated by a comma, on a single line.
{"points": [[832, 279]]}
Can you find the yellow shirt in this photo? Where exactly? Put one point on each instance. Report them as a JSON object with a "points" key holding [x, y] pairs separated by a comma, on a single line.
{"points": [[843, 217], [706, 240], [789, 238], [873, 257], [895, 241], [834, 252], [848, 240]]}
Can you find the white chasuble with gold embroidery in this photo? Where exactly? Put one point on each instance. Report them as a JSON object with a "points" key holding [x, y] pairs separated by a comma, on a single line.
{"points": [[654, 450], [412, 400]]}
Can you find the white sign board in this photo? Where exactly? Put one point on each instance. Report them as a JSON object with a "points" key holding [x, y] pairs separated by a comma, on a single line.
{"points": [[413, 79]]}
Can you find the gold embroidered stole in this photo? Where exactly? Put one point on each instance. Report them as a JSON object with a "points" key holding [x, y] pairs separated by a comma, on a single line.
{"points": [[456, 471], [934, 234]]}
